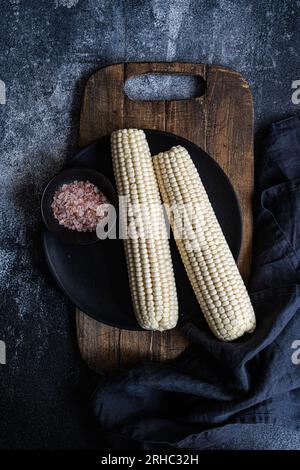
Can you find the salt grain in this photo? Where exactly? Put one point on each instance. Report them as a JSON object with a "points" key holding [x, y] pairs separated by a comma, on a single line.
{"points": [[75, 206]]}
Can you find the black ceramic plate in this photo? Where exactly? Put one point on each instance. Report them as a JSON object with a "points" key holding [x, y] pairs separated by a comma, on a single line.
{"points": [[95, 277]]}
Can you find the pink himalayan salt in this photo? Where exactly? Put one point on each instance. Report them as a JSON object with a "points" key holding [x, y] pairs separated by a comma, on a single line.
{"points": [[75, 206]]}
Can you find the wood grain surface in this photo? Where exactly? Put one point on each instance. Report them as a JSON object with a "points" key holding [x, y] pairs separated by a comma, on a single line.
{"points": [[221, 123]]}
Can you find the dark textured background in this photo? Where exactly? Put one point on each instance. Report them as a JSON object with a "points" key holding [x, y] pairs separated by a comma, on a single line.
{"points": [[48, 49]]}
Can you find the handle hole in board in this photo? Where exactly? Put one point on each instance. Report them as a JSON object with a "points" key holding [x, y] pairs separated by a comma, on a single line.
{"points": [[164, 87]]}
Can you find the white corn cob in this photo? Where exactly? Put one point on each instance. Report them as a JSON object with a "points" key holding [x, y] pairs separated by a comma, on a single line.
{"points": [[207, 258], [148, 255]]}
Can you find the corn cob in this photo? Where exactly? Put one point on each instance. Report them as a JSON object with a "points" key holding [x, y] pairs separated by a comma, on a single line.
{"points": [[208, 261], [149, 263]]}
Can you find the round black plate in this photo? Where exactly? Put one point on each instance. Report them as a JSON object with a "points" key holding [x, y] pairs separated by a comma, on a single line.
{"points": [[95, 277]]}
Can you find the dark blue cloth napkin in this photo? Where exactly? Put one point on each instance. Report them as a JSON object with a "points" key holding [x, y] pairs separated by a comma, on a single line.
{"points": [[217, 391]]}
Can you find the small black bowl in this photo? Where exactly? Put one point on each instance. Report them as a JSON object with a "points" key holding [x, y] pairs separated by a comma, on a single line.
{"points": [[64, 234]]}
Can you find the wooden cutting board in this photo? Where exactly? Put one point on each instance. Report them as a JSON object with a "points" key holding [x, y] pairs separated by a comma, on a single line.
{"points": [[220, 122]]}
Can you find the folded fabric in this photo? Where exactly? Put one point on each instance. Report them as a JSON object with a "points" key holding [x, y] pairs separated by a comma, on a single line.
{"points": [[215, 392]]}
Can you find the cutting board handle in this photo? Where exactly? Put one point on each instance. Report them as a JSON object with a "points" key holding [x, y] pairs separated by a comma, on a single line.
{"points": [[134, 70], [180, 68]]}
